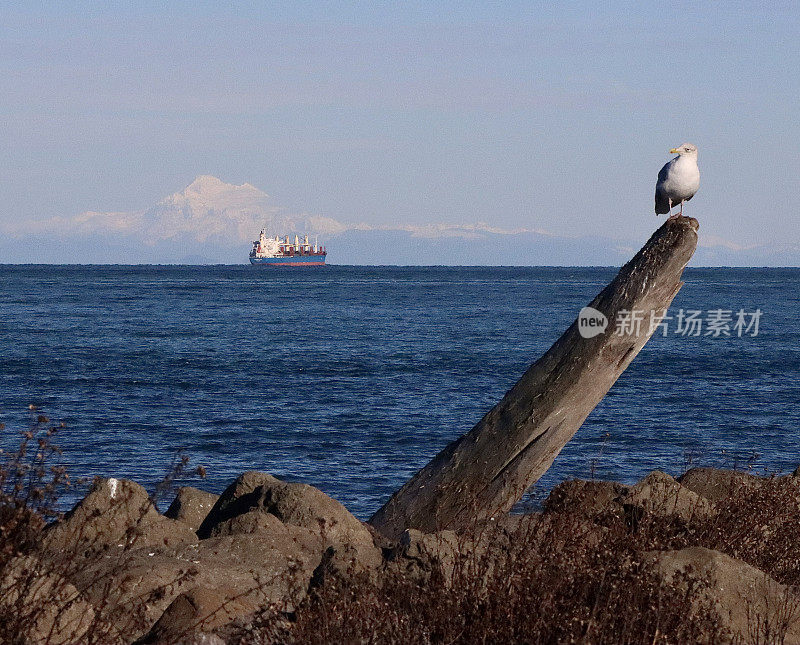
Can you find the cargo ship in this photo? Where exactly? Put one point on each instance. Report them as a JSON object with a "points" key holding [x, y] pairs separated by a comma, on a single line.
{"points": [[274, 251]]}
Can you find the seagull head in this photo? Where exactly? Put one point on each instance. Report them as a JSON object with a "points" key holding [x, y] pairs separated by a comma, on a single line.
{"points": [[688, 149]]}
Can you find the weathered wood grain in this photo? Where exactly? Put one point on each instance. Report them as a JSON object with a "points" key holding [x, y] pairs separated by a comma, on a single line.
{"points": [[487, 470]]}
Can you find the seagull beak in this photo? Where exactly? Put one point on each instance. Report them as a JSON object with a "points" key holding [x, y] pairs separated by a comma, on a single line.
{"points": [[674, 151]]}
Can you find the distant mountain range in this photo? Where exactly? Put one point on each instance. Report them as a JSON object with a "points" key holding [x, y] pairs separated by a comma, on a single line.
{"points": [[211, 222]]}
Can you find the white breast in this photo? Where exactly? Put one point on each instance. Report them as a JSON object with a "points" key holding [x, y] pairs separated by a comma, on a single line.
{"points": [[683, 178]]}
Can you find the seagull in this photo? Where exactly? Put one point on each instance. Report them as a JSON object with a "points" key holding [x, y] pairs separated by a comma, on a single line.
{"points": [[678, 180]]}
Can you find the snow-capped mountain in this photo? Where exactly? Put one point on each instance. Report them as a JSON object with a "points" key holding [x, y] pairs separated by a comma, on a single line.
{"points": [[207, 211], [210, 209]]}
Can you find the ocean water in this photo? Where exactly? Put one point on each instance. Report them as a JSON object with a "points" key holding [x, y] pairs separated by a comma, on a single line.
{"points": [[352, 378]]}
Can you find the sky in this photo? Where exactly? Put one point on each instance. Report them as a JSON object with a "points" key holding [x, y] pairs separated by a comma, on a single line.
{"points": [[552, 116]]}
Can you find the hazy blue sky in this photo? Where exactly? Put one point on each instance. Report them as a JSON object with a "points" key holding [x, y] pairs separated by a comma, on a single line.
{"points": [[554, 116]]}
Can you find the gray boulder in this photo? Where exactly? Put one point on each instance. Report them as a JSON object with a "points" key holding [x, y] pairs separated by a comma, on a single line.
{"points": [[752, 606], [253, 521], [585, 497], [716, 484], [295, 504], [42, 606], [115, 513], [134, 588], [420, 555], [659, 494], [197, 612], [253, 502], [191, 506]]}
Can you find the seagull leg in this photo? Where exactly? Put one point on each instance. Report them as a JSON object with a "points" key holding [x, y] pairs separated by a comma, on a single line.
{"points": [[671, 216], [681, 215]]}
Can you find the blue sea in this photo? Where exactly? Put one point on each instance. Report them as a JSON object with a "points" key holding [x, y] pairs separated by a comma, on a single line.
{"points": [[352, 378]]}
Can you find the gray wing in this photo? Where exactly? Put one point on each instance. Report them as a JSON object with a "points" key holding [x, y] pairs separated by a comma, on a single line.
{"points": [[662, 199]]}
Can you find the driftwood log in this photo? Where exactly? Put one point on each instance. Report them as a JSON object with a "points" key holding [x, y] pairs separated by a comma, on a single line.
{"points": [[487, 470]]}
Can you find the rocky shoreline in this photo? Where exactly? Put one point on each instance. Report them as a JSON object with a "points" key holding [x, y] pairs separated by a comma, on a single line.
{"points": [[256, 563]]}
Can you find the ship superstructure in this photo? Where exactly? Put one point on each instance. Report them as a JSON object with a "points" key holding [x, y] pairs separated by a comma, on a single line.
{"points": [[275, 251]]}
